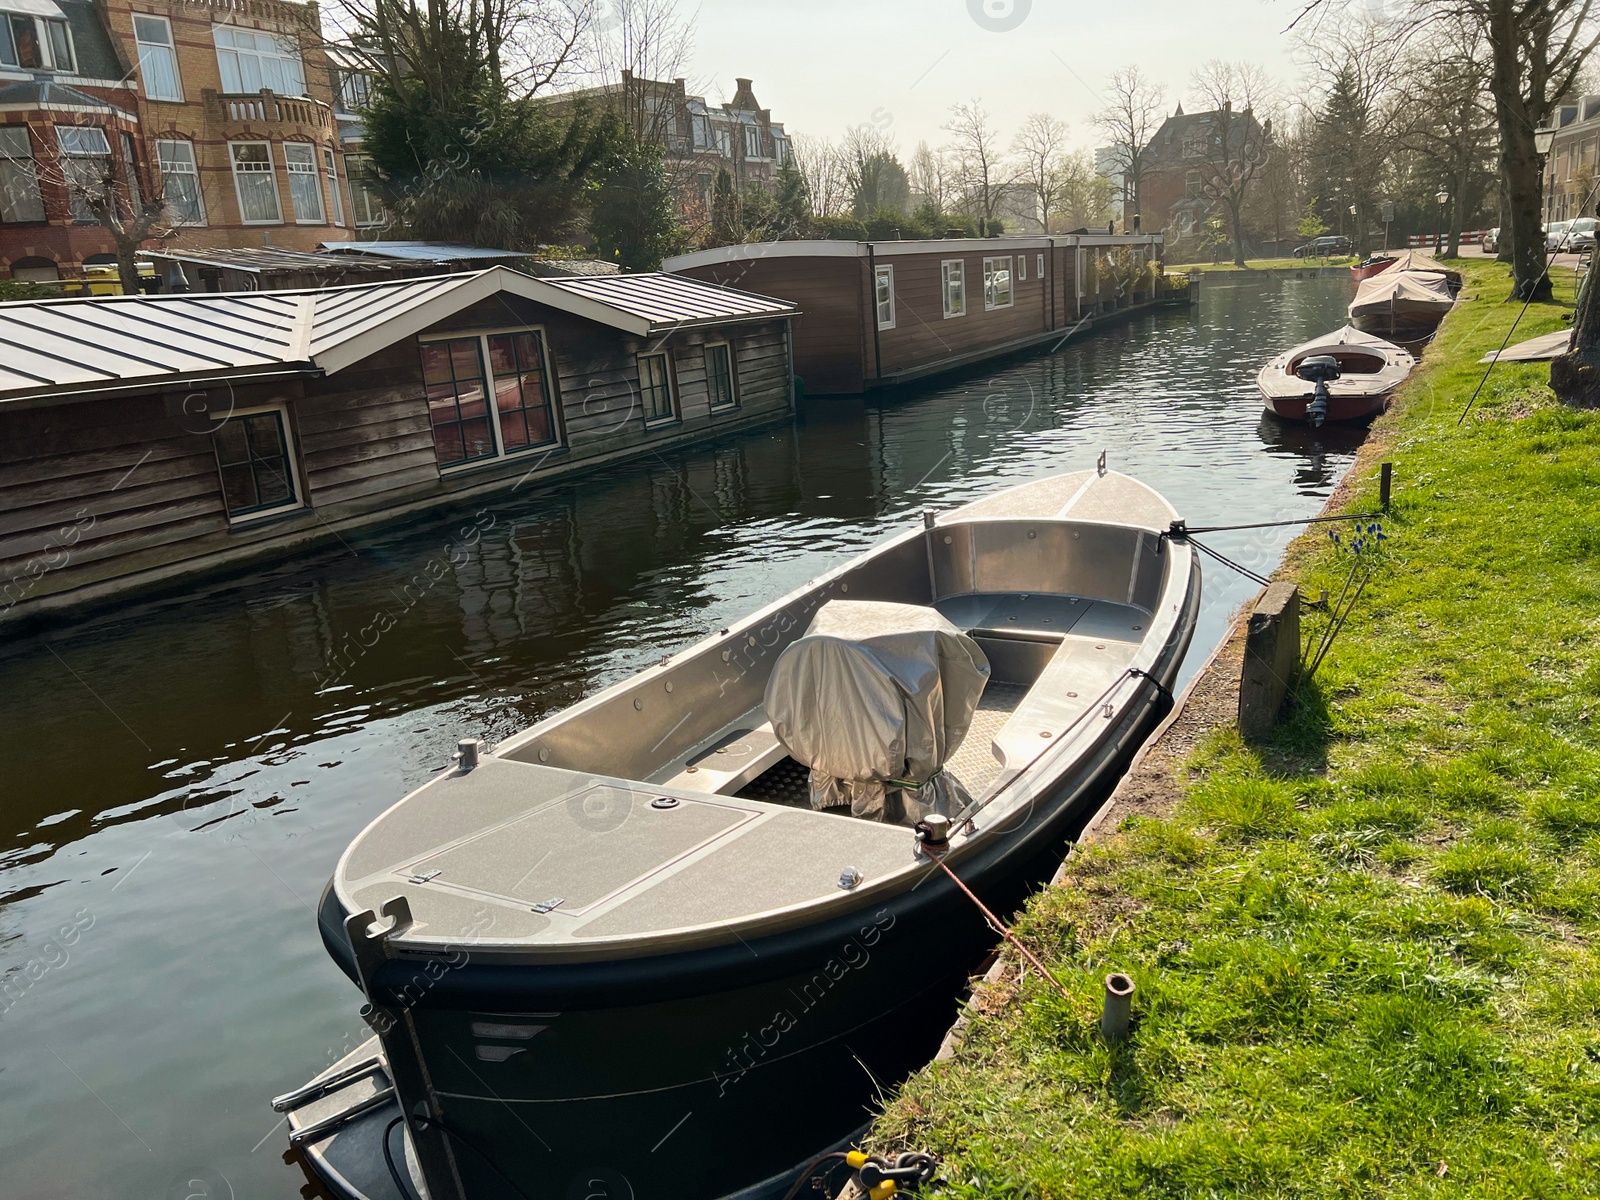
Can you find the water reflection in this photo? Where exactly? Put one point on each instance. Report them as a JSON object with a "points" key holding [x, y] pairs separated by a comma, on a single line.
{"points": [[184, 772]]}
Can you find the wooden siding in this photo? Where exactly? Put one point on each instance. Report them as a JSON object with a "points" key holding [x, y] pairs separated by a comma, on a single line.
{"points": [[832, 334], [100, 494], [923, 334]]}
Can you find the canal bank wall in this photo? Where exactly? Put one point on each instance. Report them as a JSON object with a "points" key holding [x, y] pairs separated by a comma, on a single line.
{"points": [[1359, 946]]}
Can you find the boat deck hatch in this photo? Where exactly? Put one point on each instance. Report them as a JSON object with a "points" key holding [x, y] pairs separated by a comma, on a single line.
{"points": [[581, 850]]}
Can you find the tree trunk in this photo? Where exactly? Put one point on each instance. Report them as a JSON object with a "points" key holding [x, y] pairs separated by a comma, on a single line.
{"points": [[1519, 162], [128, 268], [1236, 228], [1575, 376], [1456, 208]]}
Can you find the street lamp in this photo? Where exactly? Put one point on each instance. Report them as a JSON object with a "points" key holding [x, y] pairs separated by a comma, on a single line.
{"points": [[1443, 197], [1544, 139]]}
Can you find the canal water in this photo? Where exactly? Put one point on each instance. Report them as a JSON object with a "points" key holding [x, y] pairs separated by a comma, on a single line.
{"points": [[178, 778]]}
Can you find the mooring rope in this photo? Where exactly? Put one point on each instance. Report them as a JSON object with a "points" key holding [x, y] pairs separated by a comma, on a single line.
{"points": [[995, 922]]}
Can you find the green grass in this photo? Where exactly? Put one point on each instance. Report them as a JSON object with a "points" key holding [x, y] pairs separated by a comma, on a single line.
{"points": [[1266, 264], [1366, 952]]}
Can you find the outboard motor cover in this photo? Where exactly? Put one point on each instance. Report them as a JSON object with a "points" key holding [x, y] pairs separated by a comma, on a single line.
{"points": [[875, 698]]}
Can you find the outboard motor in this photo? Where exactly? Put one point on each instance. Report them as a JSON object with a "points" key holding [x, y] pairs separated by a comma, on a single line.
{"points": [[1318, 370]]}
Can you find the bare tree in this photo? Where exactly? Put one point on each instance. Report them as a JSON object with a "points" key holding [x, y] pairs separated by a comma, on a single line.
{"points": [[874, 178], [1040, 147], [931, 177], [1236, 148], [105, 190], [982, 171], [643, 42], [1083, 200], [1537, 49], [1129, 121], [527, 46], [1451, 117], [822, 164], [1361, 116]]}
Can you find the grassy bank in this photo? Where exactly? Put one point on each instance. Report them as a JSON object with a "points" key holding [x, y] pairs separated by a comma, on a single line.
{"points": [[1366, 954]]}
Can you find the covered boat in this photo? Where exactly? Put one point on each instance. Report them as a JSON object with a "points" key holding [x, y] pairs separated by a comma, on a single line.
{"points": [[1417, 260], [1369, 371], [672, 942], [1402, 305]]}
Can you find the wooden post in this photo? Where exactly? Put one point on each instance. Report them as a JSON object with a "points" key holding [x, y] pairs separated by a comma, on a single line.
{"points": [[1271, 659], [1385, 484]]}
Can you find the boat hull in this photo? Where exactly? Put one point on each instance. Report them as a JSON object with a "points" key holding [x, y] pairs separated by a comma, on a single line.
{"points": [[1340, 407], [1370, 268]]}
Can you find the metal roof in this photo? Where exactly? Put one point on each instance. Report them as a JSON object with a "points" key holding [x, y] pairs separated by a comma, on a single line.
{"points": [[256, 259], [93, 345], [430, 251], [672, 301]]}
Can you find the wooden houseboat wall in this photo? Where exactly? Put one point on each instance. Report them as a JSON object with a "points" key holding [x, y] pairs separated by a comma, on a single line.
{"points": [[113, 489], [873, 314]]}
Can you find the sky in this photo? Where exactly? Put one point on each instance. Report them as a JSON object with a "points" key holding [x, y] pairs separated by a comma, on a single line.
{"points": [[824, 65]]}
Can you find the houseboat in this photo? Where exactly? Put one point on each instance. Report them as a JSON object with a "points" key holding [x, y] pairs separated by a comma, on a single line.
{"points": [[881, 313], [147, 438]]}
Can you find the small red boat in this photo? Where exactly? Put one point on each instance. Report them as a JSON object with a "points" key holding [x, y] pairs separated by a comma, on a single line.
{"points": [[1366, 371], [1375, 265]]}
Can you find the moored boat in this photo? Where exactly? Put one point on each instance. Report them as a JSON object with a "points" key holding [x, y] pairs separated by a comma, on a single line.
{"points": [[1401, 305], [1375, 265], [1370, 369], [676, 937]]}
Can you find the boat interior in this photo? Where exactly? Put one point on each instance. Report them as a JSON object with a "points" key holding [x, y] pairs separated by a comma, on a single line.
{"points": [[1352, 360], [1060, 609]]}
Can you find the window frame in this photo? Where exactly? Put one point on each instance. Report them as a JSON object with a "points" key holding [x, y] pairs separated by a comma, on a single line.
{"points": [[946, 277], [990, 274], [194, 173], [1022, 271], [291, 450], [297, 60], [271, 173], [359, 186], [30, 167], [732, 401], [558, 430], [674, 413], [170, 46], [72, 156], [314, 173], [884, 271], [330, 166], [1040, 265]]}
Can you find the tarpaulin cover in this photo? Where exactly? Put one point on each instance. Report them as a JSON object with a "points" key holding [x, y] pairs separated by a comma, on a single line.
{"points": [[1402, 291], [875, 698]]}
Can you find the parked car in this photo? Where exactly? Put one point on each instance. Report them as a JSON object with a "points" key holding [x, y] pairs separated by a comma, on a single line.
{"points": [[1554, 234], [1491, 241], [1579, 235], [1323, 247]]}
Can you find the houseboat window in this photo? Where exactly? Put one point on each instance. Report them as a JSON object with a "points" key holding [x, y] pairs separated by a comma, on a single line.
{"points": [[332, 169], [253, 456], [452, 371], [521, 399], [86, 162], [19, 180], [249, 61], [256, 183], [158, 62], [997, 288], [954, 274], [180, 182], [305, 183], [1022, 268], [884, 284], [655, 388], [1040, 265], [719, 376]]}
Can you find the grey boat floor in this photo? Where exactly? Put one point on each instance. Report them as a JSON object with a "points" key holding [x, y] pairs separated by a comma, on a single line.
{"points": [[974, 762]]}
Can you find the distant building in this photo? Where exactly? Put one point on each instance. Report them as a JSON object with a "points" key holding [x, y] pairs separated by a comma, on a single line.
{"points": [[1108, 164], [1569, 168], [699, 138], [1172, 188], [225, 108]]}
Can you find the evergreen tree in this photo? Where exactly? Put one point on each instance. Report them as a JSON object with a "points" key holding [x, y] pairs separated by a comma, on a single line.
{"points": [[726, 227], [794, 202], [635, 220]]}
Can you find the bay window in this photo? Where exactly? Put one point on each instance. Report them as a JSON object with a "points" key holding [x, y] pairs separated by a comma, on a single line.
{"points": [[86, 163], [20, 200], [180, 182]]}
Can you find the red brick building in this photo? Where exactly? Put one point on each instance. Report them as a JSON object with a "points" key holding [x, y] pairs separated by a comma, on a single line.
{"points": [[223, 107]]}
